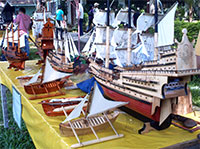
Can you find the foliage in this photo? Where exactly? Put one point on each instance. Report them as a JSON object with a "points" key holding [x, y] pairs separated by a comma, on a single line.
{"points": [[192, 27], [195, 89]]}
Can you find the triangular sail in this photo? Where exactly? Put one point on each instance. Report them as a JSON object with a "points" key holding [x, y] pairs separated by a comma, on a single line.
{"points": [[51, 75], [99, 104], [77, 111], [166, 28], [71, 48], [34, 78], [87, 46], [67, 55], [74, 46]]}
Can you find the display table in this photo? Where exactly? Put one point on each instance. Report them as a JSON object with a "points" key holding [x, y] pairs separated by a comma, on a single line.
{"points": [[44, 130]]}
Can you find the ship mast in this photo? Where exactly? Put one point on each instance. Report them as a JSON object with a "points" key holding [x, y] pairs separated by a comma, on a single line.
{"points": [[107, 36], [129, 34], [156, 31]]}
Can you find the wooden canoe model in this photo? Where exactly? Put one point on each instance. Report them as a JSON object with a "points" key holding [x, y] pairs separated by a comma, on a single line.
{"points": [[93, 121], [50, 81], [12, 52], [52, 107]]}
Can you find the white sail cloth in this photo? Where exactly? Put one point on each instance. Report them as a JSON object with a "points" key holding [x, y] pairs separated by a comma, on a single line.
{"points": [[122, 16], [77, 111], [34, 78], [22, 34], [99, 104], [145, 21], [88, 44], [166, 28], [100, 18], [51, 75]]}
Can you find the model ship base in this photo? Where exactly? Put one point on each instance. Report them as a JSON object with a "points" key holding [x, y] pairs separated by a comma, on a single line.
{"points": [[82, 127]]}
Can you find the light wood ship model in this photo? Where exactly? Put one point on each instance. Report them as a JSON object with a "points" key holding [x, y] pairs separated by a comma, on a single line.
{"points": [[154, 86]]}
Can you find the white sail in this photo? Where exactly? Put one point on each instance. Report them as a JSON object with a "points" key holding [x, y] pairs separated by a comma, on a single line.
{"points": [[166, 28], [71, 48], [145, 21], [77, 111], [122, 16], [87, 46], [99, 104], [34, 78], [67, 55], [74, 46], [51, 75]]}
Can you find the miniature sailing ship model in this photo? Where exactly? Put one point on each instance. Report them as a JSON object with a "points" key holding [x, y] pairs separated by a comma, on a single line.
{"points": [[153, 89], [50, 81], [54, 107], [63, 59], [12, 49], [92, 121]]}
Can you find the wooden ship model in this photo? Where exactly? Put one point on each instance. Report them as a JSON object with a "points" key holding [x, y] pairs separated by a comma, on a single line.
{"points": [[152, 88], [50, 80], [62, 59], [54, 107], [93, 119], [12, 51]]}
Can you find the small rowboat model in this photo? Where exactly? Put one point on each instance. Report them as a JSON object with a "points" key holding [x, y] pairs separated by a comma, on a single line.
{"points": [[53, 107], [50, 81], [93, 119], [13, 53]]}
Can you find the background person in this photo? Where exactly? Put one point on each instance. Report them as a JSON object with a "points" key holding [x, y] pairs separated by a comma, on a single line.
{"points": [[23, 22], [90, 16], [79, 16], [59, 18]]}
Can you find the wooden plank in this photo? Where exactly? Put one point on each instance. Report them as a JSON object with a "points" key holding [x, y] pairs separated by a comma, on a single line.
{"points": [[4, 105]]}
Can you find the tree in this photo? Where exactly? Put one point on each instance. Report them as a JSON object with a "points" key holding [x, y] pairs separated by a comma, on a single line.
{"points": [[190, 4]]}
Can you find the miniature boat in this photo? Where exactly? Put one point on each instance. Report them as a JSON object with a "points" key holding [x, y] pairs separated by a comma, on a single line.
{"points": [[82, 126], [52, 107], [13, 53], [64, 57], [93, 120], [50, 81], [152, 89]]}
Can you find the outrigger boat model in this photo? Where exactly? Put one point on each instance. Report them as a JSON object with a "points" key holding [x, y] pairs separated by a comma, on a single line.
{"points": [[12, 48], [93, 119], [50, 81], [152, 89]]}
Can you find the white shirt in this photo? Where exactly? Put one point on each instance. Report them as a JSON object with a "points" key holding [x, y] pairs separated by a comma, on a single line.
{"points": [[81, 11]]}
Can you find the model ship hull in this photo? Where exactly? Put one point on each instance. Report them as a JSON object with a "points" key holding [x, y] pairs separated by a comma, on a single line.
{"points": [[54, 108], [136, 105], [15, 59], [82, 127], [38, 88], [58, 62]]}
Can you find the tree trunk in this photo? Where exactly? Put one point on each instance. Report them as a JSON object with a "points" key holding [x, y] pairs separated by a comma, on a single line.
{"points": [[190, 14]]}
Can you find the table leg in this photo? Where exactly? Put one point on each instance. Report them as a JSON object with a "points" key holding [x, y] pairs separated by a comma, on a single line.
{"points": [[4, 105]]}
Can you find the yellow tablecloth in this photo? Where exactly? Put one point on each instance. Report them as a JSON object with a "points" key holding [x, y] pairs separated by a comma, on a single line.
{"points": [[45, 133]]}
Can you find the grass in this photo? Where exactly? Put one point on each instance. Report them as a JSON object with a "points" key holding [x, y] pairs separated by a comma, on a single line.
{"points": [[13, 137]]}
